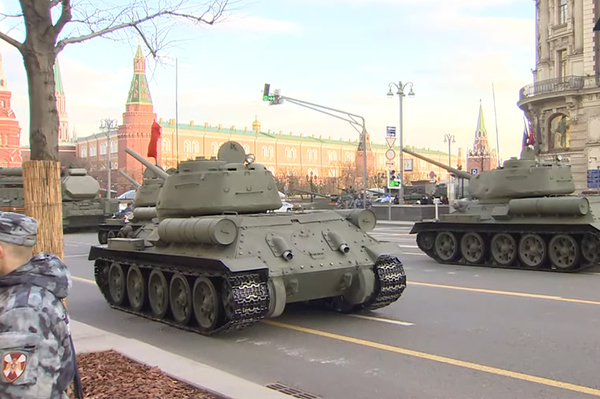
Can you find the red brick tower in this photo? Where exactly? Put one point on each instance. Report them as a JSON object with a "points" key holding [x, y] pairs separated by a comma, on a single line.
{"points": [[135, 132], [10, 132]]}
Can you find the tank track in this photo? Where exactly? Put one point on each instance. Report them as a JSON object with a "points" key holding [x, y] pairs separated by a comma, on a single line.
{"points": [[546, 266], [390, 283], [249, 293]]}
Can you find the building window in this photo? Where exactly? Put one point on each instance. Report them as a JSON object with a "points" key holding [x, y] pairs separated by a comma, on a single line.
{"points": [[166, 145], [2, 104], [271, 152], [93, 150], [214, 148], [562, 12], [563, 69], [246, 148], [114, 146], [195, 147], [103, 149], [187, 146], [83, 152]]}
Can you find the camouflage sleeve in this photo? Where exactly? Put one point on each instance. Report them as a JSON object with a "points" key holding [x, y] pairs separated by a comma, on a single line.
{"points": [[30, 353]]}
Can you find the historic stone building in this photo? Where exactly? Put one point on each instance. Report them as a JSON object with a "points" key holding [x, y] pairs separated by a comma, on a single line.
{"points": [[481, 158], [563, 103], [311, 158], [10, 132]]}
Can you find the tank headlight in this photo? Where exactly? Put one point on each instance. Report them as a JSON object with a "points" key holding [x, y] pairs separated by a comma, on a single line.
{"points": [[249, 158]]}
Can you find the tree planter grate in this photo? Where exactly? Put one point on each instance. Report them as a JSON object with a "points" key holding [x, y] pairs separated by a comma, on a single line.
{"points": [[294, 392]]}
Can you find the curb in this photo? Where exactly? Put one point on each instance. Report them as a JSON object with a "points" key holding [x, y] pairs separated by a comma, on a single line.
{"points": [[91, 339]]}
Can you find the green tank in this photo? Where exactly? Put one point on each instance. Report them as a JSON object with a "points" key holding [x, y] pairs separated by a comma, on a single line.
{"points": [[81, 203], [522, 215], [216, 259], [142, 208]]}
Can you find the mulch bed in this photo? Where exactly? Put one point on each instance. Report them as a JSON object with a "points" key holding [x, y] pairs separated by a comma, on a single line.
{"points": [[110, 375]]}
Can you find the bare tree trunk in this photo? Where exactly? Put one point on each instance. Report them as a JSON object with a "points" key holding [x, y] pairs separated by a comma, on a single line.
{"points": [[41, 175]]}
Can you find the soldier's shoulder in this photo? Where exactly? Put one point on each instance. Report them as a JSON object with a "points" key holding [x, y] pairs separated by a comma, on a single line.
{"points": [[26, 296]]}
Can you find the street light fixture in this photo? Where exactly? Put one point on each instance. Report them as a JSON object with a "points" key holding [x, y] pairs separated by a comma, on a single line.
{"points": [[108, 125], [450, 139], [400, 92]]}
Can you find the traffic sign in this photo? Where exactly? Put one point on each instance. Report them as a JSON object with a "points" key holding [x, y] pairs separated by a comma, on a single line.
{"points": [[432, 174], [390, 154], [390, 131], [390, 141], [474, 171], [593, 178], [390, 164]]}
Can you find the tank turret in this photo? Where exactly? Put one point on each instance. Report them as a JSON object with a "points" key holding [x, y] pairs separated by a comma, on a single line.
{"points": [[517, 178], [78, 185], [232, 182], [130, 179]]}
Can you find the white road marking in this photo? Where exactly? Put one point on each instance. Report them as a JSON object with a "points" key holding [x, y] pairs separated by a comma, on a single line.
{"points": [[77, 256], [390, 321]]}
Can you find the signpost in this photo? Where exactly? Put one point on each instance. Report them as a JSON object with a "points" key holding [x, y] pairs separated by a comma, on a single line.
{"points": [[390, 154]]}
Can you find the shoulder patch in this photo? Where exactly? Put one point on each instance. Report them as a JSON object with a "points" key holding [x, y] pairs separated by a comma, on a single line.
{"points": [[13, 365]]}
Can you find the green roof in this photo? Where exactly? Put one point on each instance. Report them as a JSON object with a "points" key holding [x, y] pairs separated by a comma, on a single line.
{"points": [[57, 78], [139, 93], [480, 121], [277, 136]]}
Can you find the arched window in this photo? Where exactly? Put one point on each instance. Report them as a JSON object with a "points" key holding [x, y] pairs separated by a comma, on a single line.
{"points": [[93, 150], [559, 132], [166, 145], [348, 156], [270, 151], [187, 146], [114, 146], [288, 153], [332, 172], [246, 148], [195, 147], [265, 152], [102, 148], [214, 148], [293, 152], [83, 152]]}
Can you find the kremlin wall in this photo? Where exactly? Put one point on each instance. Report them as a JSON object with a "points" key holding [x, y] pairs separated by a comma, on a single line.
{"points": [[305, 161]]}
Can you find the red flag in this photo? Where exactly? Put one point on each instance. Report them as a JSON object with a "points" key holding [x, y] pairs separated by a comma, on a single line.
{"points": [[530, 135], [153, 145], [525, 135]]}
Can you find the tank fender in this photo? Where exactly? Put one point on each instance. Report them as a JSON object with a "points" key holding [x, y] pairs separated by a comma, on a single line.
{"points": [[277, 296], [336, 241], [383, 248], [280, 246], [245, 264]]}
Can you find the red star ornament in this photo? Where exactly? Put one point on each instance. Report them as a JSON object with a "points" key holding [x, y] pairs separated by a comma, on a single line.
{"points": [[13, 365]]}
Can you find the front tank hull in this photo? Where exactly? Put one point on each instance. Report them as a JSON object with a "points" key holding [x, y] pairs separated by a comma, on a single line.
{"points": [[557, 247]]}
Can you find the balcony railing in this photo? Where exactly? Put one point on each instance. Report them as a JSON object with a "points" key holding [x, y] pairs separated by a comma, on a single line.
{"points": [[557, 85]]}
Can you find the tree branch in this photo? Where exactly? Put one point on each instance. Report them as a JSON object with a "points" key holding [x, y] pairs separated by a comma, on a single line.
{"points": [[12, 41], [135, 24], [65, 16]]}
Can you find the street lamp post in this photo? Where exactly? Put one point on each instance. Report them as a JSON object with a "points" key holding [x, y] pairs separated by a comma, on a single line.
{"points": [[108, 125], [450, 139], [400, 92]]}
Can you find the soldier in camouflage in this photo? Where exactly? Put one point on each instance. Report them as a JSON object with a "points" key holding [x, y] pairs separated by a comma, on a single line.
{"points": [[37, 359]]}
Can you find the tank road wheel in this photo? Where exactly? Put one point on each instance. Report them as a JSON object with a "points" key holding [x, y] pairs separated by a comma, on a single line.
{"points": [[564, 252], [116, 284], [111, 234], [136, 288], [532, 250], [590, 248], [426, 240], [180, 299], [207, 305], [446, 246], [102, 237], [504, 249], [472, 247], [158, 293]]}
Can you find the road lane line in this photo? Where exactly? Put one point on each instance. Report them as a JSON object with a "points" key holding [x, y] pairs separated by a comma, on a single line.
{"points": [[508, 293], [390, 321], [76, 256], [441, 359], [83, 280]]}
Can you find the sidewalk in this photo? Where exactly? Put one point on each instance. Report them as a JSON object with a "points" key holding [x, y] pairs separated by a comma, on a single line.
{"points": [[90, 339]]}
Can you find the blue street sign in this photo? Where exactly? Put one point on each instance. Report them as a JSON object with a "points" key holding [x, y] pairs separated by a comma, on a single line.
{"points": [[593, 178], [390, 131], [474, 171]]}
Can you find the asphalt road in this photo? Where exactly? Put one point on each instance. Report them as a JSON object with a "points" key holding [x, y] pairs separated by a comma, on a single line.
{"points": [[457, 332]]}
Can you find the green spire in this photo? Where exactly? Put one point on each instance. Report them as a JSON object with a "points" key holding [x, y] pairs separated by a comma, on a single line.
{"points": [[57, 78], [480, 122], [139, 93]]}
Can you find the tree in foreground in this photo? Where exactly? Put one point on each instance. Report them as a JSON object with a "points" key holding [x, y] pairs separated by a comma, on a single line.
{"points": [[50, 25]]}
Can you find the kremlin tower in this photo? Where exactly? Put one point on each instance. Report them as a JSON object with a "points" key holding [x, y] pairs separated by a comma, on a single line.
{"points": [[10, 132], [480, 158], [135, 131]]}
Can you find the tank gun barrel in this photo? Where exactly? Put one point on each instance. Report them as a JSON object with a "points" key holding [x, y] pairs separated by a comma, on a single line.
{"points": [[155, 169], [458, 173], [130, 179]]}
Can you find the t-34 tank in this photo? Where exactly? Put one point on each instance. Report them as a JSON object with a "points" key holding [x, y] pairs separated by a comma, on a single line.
{"points": [[81, 204], [143, 207], [521, 215], [216, 260]]}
